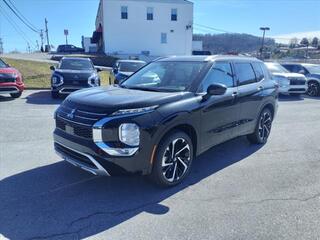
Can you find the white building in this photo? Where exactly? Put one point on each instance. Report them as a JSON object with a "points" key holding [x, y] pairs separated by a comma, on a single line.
{"points": [[144, 27]]}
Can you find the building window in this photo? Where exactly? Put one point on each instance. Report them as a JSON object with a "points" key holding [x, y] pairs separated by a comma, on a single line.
{"points": [[174, 14], [150, 13], [124, 12], [163, 38]]}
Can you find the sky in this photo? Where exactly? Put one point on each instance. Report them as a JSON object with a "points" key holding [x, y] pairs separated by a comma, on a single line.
{"points": [[286, 19]]}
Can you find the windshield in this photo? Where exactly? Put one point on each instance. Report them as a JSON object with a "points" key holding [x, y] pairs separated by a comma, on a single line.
{"points": [[76, 64], [165, 76], [313, 69], [130, 66], [2, 64], [276, 68]]}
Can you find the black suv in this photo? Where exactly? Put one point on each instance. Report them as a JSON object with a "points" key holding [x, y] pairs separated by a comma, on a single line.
{"points": [[73, 74], [69, 49], [158, 120]]}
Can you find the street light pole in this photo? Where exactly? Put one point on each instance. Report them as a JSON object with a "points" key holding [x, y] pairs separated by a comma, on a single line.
{"points": [[264, 29]]}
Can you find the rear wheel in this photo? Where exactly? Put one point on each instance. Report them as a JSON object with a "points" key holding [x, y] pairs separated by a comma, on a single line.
{"points": [[54, 95], [16, 95], [263, 128], [313, 89], [173, 160]]}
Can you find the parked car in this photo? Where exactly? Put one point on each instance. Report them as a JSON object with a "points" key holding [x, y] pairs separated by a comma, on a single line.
{"points": [[124, 68], [311, 71], [289, 83], [11, 81], [69, 49], [73, 74], [158, 127]]}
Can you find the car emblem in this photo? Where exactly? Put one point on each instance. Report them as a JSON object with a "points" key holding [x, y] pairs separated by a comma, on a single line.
{"points": [[76, 77], [71, 114]]}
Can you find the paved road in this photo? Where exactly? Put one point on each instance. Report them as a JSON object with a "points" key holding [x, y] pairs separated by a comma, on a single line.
{"points": [[235, 191]]}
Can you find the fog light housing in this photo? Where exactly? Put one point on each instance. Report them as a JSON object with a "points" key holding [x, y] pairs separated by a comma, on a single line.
{"points": [[129, 134]]}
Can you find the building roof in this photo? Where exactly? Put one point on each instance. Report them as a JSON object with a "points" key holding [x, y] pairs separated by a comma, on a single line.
{"points": [[163, 1]]}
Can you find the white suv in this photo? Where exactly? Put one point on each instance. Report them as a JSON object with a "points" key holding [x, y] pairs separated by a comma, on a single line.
{"points": [[289, 83]]}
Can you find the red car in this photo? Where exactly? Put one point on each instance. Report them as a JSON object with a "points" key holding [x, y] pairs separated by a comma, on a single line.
{"points": [[10, 80]]}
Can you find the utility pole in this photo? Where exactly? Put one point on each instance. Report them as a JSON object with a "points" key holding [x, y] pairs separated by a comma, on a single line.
{"points": [[41, 36], [47, 33], [29, 51], [264, 29]]}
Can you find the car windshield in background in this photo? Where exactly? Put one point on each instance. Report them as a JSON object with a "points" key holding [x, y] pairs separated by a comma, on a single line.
{"points": [[130, 66], [276, 68], [165, 76], [313, 69], [76, 64], [2, 64]]}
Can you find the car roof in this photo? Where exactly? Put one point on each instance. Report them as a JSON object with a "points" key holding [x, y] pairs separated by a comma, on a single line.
{"points": [[130, 61], [207, 58], [76, 58]]}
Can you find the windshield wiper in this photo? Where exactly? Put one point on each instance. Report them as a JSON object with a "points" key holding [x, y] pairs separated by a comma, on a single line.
{"points": [[143, 89]]}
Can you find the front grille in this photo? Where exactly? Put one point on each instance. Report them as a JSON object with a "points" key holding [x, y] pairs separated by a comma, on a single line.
{"points": [[74, 129], [8, 89], [6, 77], [74, 155], [297, 90], [297, 81]]}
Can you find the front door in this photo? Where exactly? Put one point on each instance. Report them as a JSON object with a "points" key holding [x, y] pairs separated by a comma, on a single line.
{"points": [[219, 114]]}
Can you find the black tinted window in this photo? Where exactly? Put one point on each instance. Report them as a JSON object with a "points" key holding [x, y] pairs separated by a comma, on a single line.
{"points": [[245, 73], [220, 72], [259, 71]]}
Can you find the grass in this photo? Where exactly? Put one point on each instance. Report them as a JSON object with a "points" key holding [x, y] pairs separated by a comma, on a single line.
{"points": [[37, 74]]}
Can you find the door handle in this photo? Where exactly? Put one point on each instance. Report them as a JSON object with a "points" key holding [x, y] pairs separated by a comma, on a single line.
{"points": [[260, 88], [234, 94]]}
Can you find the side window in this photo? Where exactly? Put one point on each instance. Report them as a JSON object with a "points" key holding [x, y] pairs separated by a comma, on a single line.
{"points": [[245, 73], [221, 72], [258, 71], [296, 68], [124, 12], [163, 38], [288, 67]]}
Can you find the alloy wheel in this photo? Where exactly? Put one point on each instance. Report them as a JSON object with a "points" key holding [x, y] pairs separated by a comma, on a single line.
{"points": [[176, 160], [265, 126], [313, 89]]}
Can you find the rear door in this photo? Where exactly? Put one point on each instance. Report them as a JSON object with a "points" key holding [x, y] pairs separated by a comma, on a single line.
{"points": [[219, 114], [250, 94]]}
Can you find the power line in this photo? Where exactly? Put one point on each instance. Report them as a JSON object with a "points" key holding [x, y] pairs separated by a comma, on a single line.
{"points": [[21, 19], [17, 10]]}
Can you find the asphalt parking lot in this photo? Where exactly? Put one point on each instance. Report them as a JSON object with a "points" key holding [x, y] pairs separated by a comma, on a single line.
{"points": [[235, 191]]}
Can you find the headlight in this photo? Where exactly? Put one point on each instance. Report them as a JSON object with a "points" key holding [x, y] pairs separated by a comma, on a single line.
{"points": [[129, 134], [94, 80], [134, 111], [56, 80]]}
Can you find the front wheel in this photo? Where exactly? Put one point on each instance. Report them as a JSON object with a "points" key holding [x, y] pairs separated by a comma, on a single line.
{"points": [[16, 95], [263, 128], [313, 89], [173, 160]]}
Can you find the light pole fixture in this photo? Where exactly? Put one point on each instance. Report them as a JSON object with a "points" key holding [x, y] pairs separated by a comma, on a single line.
{"points": [[264, 29]]}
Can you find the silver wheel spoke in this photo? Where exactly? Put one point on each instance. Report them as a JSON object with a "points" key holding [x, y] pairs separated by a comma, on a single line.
{"points": [[182, 149]]}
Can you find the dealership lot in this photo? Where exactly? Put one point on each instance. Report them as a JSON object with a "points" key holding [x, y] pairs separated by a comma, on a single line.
{"points": [[235, 191]]}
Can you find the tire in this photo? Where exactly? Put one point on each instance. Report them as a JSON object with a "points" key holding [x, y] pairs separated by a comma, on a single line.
{"points": [[263, 128], [54, 95], [171, 169], [16, 95], [313, 89]]}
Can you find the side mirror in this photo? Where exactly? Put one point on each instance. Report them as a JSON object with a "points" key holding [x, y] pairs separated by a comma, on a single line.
{"points": [[52, 68], [115, 70], [215, 90], [98, 69], [302, 72]]}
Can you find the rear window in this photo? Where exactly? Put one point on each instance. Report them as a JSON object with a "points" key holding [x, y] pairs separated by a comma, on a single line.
{"points": [[73, 64], [258, 71], [245, 73]]}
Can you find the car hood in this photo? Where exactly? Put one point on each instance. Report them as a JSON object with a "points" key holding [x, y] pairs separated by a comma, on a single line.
{"points": [[74, 74], [290, 75], [8, 70], [110, 99]]}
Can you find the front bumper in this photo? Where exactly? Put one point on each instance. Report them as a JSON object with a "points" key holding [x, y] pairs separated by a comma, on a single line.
{"points": [[67, 89], [8, 88]]}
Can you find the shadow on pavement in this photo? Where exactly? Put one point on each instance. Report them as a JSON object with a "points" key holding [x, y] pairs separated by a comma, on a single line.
{"points": [[288, 98], [42, 98], [59, 201]]}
